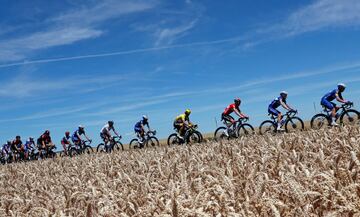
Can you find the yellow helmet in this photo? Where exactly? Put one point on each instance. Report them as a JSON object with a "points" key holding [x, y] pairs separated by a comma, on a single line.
{"points": [[187, 111]]}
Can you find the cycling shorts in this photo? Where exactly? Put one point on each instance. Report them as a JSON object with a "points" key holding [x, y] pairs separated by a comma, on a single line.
{"points": [[327, 104]]}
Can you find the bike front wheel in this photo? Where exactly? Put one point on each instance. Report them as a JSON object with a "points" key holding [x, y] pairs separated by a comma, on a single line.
{"points": [[319, 121], [101, 148], [267, 127], [118, 146], [194, 137], [220, 134], [246, 130], [152, 142], [88, 149], [294, 124], [350, 117]]}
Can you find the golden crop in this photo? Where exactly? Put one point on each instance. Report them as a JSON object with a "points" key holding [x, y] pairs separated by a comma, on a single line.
{"points": [[312, 173]]}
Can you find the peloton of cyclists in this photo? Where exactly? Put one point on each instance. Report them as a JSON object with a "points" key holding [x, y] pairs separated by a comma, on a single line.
{"points": [[105, 132], [277, 102], [327, 99], [76, 136], [229, 121]]}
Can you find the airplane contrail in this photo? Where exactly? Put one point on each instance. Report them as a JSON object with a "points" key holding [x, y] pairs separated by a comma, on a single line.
{"points": [[135, 51]]}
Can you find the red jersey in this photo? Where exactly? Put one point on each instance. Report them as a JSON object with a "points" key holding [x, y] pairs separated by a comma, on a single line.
{"points": [[228, 110]]}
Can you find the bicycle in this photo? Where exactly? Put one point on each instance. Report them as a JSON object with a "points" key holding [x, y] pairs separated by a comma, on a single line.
{"points": [[83, 148], [149, 140], [192, 135], [345, 115], [239, 129], [114, 144], [292, 123]]}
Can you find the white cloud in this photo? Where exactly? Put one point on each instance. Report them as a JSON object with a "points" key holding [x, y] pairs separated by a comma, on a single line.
{"points": [[169, 35], [68, 28]]}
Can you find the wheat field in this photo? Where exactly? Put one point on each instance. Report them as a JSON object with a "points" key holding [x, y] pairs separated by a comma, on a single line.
{"points": [[305, 174]]}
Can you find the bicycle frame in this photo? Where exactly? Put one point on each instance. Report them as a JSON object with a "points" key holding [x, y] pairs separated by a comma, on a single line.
{"points": [[340, 112]]}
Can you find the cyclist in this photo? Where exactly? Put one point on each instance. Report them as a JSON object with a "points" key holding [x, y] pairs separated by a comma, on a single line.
{"points": [[279, 101], [76, 136], [17, 147], [105, 132], [182, 122], [228, 119], [44, 142], [326, 101], [65, 141], [6, 150], [29, 147], [139, 129]]}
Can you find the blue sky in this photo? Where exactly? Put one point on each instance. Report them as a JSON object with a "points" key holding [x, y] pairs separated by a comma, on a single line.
{"points": [[65, 63]]}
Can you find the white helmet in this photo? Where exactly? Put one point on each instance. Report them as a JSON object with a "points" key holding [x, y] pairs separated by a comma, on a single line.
{"points": [[145, 117], [81, 126], [284, 93], [341, 85]]}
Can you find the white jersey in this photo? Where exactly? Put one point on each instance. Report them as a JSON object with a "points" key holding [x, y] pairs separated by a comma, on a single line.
{"points": [[106, 129]]}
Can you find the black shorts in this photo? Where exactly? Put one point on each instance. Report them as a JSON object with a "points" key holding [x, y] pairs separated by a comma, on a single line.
{"points": [[104, 136], [227, 118], [177, 125]]}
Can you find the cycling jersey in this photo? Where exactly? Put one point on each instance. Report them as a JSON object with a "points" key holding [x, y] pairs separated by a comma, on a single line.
{"points": [[228, 110], [16, 144], [44, 138], [139, 125], [65, 140], [330, 96], [5, 149], [28, 145], [277, 102], [182, 118], [76, 135], [106, 129]]}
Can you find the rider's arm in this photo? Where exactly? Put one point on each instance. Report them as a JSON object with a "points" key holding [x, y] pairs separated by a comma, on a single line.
{"points": [[238, 113], [339, 98], [87, 137], [116, 133], [285, 105]]}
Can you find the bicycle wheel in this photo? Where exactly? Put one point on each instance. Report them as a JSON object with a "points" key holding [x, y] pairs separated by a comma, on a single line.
{"points": [[88, 149], [194, 137], [267, 127], [101, 148], [73, 152], [319, 121], [294, 124], [174, 140], [350, 117], [134, 144], [246, 130], [118, 146], [152, 142], [220, 134]]}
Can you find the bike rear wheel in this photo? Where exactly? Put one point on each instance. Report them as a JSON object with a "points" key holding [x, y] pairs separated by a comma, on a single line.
{"points": [[350, 117], [101, 148], [267, 127], [220, 134], [134, 144], [294, 124], [246, 130], [174, 140], [320, 121], [152, 142]]}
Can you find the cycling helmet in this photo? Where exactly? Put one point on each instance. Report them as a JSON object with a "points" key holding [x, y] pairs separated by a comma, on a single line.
{"points": [[8, 142], [67, 133], [341, 86], [283, 93], [81, 127], [47, 132], [111, 123], [31, 139], [187, 111], [17, 137], [145, 118], [237, 101]]}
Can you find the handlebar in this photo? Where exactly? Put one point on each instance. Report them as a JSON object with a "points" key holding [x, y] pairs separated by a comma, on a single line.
{"points": [[291, 113], [347, 105]]}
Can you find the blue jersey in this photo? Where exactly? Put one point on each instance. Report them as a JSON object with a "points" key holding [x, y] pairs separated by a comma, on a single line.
{"points": [[276, 102], [76, 134], [5, 148], [141, 123], [28, 145], [330, 96]]}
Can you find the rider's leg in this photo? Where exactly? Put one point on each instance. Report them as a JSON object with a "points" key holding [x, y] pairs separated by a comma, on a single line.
{"points": [[279, 118]]}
